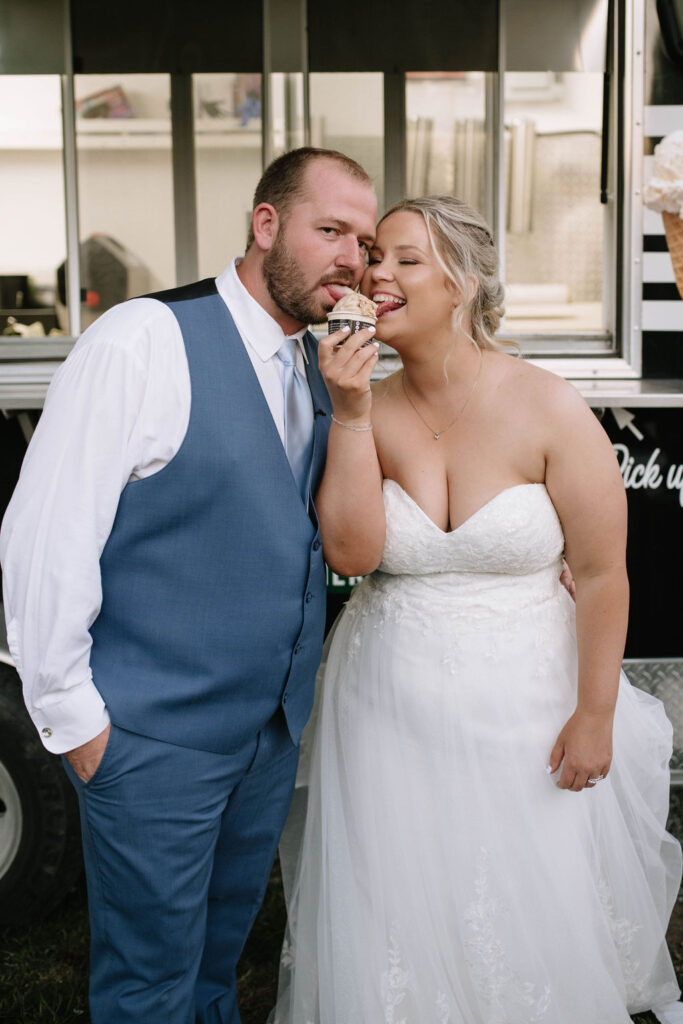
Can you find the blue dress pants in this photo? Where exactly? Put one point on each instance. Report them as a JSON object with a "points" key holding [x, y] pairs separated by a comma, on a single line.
{"points": [[178, 847]]}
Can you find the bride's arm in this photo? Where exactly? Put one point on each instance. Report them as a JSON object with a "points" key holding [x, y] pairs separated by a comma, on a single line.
{"points": [[585, 485], [349, 501]]}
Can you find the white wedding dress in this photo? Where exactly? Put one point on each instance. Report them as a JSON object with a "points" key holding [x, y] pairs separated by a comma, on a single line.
{"points": [[443, 878]]}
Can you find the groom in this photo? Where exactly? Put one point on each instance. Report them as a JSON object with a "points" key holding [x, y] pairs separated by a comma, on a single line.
{"points": [[165, 589]]}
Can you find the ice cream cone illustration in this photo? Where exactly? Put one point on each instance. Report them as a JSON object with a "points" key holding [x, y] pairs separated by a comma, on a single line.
{"points": [[673, 227], [664, 193]]}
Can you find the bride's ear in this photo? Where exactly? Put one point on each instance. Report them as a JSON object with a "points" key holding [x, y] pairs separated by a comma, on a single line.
{"points": [[456, 294], [472, 288]]}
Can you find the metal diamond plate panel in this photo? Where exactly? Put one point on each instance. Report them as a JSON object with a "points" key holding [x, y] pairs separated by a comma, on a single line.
{"points": [[663, 679]]}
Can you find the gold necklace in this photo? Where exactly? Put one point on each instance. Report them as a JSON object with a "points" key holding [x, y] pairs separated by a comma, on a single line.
{"points": [[436, 434]]}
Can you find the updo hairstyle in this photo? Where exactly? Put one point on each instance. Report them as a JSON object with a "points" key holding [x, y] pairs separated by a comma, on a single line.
{"points": [[463, 245]]}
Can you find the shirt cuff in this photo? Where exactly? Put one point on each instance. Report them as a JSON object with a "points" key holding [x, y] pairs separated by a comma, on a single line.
{"points": [[77, 718]]}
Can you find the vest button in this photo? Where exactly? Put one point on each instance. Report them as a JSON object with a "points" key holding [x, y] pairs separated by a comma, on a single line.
{"points": [[309, 597], [298, 649], [316, 545], [284, 699]]}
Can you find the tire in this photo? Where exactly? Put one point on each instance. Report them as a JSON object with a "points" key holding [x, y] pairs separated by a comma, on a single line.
{"points": [[40, 850]]}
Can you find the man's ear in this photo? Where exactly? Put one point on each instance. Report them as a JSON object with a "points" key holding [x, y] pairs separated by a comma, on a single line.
{"points": [[265, 225]]}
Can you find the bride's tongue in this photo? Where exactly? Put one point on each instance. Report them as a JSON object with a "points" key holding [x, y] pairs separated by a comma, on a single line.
{"points": [[388, 306]]}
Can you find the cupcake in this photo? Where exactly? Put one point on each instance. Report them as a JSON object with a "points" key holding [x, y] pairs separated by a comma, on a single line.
{"points": [[353, 310]]}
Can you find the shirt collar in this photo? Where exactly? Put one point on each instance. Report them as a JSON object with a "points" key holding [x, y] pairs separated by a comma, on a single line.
{"points": [[256, 326]]}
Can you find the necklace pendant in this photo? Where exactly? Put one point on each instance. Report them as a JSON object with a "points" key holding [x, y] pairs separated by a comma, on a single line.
{"points": [[437, 436]]}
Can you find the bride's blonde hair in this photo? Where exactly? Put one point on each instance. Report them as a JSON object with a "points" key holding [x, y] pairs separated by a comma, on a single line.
{"points": [[463, 245]]}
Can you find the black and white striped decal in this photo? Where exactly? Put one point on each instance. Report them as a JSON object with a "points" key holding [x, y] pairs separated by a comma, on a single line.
{"points": [[662, 305]]}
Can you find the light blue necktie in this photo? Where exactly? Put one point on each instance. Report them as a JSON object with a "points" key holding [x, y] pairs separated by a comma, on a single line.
{"points": [[298, 414]]}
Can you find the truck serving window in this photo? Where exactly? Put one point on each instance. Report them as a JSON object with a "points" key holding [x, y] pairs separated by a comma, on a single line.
{"points": [[524, 107]]}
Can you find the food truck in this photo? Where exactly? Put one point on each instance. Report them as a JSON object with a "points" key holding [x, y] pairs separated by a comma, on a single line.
{"points": [[131, 139]]}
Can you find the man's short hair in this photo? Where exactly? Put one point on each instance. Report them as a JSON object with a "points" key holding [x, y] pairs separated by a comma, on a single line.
{"points": [[282, 182]]}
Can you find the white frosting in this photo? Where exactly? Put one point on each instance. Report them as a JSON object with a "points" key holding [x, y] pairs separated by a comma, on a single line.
{"points": [[664, 191], [354, 302]]}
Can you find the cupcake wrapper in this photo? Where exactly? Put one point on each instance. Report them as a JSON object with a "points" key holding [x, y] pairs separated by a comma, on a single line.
{"points": [[343, 321]]}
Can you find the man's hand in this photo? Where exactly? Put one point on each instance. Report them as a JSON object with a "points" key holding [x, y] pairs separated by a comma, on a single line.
{"points": [[567, 580], [85, 760]]}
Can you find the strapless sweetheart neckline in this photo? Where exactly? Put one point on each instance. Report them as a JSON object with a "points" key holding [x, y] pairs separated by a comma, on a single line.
{"points": [[487, 504]]}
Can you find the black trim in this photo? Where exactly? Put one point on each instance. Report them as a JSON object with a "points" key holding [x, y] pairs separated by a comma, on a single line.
{"points": [[426, 36], [671, 24], [655, 243], [186, 292], [167, 36], [662, 354], [660, 290]]}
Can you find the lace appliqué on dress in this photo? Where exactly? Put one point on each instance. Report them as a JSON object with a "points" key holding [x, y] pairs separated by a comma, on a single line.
{"points": [[287, 955], [397, 982], [623, 933], [507, 997]]}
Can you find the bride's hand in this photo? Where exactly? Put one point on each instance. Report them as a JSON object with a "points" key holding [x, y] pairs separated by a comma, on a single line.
{"points": [[346, 362], [584, 749]]}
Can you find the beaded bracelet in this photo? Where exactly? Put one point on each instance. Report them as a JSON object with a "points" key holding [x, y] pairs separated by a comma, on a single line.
{"points": [[348, 426]]}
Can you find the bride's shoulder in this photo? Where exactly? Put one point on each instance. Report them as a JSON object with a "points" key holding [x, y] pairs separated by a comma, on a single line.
{"points": [[541, 390]]}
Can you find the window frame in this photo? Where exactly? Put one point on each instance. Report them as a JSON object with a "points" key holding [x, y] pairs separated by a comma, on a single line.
{"points": [[614, 354]]}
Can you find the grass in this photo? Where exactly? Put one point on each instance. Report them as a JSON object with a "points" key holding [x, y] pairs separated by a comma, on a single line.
{"points": [[43, 968]]}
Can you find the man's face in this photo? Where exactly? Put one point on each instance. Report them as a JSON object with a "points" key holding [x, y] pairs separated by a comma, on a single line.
{"points": [[321, 246]]}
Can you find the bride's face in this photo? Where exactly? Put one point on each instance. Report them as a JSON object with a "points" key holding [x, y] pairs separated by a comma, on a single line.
{"points": [[414, 296]]}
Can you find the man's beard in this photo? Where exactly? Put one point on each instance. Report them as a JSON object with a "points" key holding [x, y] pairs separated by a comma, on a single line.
{"points": [[287, 285]]}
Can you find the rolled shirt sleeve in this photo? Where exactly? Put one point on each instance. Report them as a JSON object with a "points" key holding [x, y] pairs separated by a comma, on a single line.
{"points": [[116, 409]]}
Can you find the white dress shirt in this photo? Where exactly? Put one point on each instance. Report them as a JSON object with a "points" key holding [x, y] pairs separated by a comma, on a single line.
{"points": [[117, 410]]}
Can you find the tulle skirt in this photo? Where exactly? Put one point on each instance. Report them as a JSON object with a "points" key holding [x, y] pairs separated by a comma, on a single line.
{"points": [[441, 876]]}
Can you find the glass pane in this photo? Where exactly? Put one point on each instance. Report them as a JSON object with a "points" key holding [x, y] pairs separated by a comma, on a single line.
{"points": [[31, 199], [556, 224], [446, 135], [287, 98], [228, 164], [125, 181], [347, 113]]}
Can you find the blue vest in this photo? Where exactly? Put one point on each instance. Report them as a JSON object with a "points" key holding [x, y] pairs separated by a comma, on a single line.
{"points": [[213, 579]]}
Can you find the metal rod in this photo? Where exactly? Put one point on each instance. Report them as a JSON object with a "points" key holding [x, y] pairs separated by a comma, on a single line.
{"points": [[184, 179], [498, 145], [70, 170], [395, 155], [606, 103], [291, 106], [491, 148], [631, 144], [266, 89], [305, 85]]}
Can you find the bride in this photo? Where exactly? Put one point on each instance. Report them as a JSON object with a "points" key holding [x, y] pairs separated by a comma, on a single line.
{"points": [[484, 840]]}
